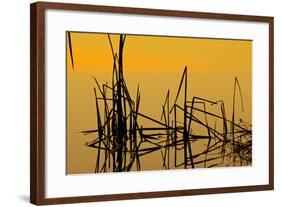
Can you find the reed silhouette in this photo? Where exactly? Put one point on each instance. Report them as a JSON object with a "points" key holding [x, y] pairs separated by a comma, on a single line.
{"points": [[121, 140]]}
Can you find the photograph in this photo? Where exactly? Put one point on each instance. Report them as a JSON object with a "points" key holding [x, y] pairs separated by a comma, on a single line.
{"points": [[139, 102], [133, 103]]}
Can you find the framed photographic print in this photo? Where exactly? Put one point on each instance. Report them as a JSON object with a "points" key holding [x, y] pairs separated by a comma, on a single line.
{"points": [[133, 103]]}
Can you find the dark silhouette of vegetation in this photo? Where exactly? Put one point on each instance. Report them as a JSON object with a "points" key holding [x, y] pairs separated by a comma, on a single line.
{"points": [[123, 141]]}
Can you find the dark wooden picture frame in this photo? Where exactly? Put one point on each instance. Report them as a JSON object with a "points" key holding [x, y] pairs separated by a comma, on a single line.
{"points": [[37, 102]]}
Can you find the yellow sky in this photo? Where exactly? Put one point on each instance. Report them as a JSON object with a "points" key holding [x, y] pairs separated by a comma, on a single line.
{"points": [[92, 51]]}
